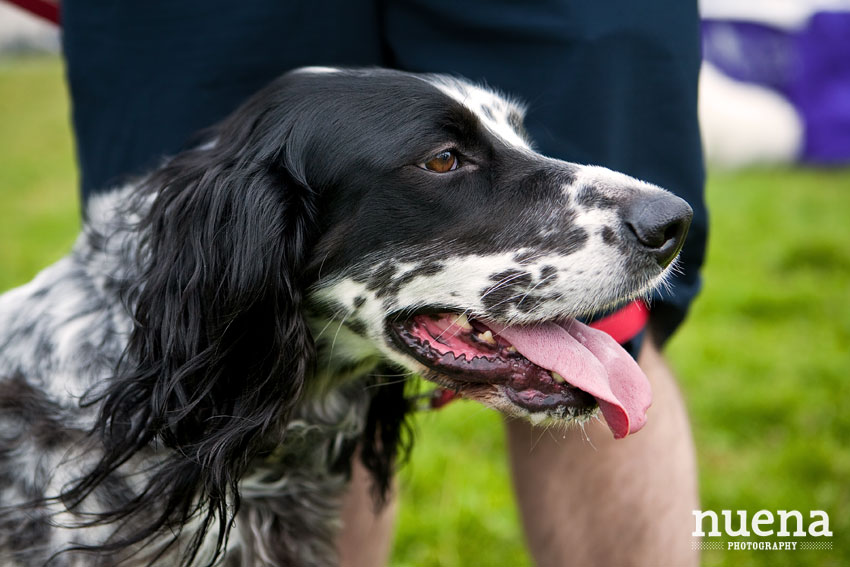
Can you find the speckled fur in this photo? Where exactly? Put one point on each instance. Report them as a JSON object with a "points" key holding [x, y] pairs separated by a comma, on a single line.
{"points": [[62, 334]]}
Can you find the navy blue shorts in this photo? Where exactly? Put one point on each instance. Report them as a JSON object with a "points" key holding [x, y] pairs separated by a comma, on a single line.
{"points": [[611, 83]]}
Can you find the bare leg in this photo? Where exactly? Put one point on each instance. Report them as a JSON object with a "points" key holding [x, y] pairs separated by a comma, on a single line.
{"points": [[365, 537], [624, 502]]}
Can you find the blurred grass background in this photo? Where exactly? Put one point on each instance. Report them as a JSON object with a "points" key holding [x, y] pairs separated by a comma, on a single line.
{"points": [[763, 360]]}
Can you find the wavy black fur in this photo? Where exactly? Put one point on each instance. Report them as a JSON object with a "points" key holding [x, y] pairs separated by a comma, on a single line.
{"points": [[387, 436], [220, 347]]}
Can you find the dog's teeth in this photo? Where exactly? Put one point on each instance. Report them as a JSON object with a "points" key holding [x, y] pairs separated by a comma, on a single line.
{"points": [[512, 348], [487, 337], [463, 322], [557, 377]]}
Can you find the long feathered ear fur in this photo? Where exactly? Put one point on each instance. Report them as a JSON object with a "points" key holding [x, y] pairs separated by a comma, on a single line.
{"points": [[387, 437], [220, 347]]}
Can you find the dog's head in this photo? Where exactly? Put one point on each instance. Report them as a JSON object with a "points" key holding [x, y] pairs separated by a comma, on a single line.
{"points": [[465, 256], [413, 213]]}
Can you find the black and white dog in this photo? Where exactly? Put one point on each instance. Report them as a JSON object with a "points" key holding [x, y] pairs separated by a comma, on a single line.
{"points": [[188, 386]]}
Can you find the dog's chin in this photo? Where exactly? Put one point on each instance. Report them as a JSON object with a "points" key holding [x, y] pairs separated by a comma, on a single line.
{"points": [[467, 356], [500, 399]]}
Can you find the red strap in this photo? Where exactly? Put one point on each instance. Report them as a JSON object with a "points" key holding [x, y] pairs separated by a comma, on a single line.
{"points": [[41, 8], [441, 397], [624, 324]]}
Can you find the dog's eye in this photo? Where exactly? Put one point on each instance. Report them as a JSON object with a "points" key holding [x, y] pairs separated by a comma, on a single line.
{"points": [[443, 162]]}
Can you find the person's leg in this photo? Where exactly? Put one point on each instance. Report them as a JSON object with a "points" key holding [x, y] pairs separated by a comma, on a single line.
{"points": [[366, 534], [587, 499]]}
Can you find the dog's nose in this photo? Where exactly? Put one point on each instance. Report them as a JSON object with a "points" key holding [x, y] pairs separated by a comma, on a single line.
{"points": [[660, 224]]}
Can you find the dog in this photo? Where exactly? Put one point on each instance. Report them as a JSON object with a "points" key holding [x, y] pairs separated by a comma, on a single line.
{"points": [[190, 384]]}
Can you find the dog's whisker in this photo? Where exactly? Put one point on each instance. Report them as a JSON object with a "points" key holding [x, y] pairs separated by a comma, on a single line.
{"points": [[329, 323], [535, 286], [536, 442], [581, 425], [456, 332], [389, 382], [409, 373], [333, 343], [322, 265], [502, 283]]}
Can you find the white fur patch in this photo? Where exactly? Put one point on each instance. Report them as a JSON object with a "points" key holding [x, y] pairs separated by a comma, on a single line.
{"points": [[317, 70], [495, 111], [611, 183]]}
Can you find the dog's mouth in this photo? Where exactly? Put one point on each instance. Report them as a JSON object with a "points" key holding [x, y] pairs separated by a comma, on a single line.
{"points": [[560, 369]]}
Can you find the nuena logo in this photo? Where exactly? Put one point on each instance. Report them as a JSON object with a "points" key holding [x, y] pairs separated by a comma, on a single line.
{"points": [[763, 524]]}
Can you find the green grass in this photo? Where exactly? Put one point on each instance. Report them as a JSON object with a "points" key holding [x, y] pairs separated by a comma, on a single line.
{"points": [[763, 359], [39, 213]]}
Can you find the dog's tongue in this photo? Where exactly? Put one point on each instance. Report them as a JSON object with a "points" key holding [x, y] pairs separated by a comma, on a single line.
{"points": [[592, 361]]}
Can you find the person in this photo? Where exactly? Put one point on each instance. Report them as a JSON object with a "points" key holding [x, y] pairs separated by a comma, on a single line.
{"points": [[611, 83]]}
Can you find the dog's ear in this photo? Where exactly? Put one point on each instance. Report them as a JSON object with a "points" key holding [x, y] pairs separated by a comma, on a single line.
{"points": [[220, 347], [387, 434]]}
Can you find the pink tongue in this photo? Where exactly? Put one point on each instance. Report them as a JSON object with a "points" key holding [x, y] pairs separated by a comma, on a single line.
{"points": [[592, 361]]}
